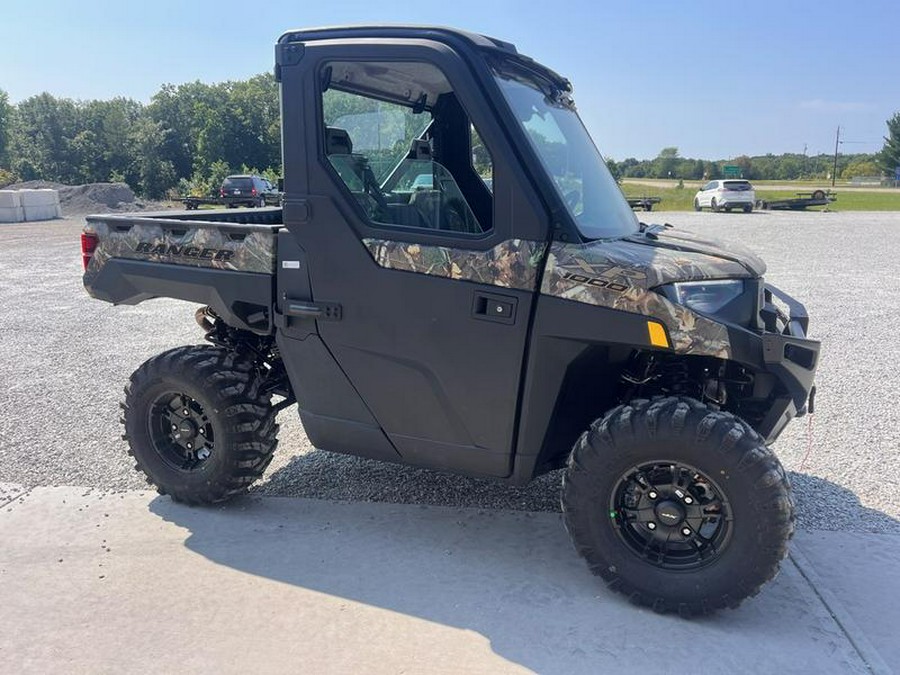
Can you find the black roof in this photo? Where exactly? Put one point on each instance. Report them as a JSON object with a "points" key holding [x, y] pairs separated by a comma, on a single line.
{"points": [[451, 36], [440, 33]]}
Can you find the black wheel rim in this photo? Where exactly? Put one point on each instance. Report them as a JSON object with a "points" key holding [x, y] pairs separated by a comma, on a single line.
{"points": [[181, 431], [671, 515]]}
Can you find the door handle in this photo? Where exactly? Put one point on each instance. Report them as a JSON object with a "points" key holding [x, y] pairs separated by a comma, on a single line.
{"points": [[324, 311], [495, 307]]}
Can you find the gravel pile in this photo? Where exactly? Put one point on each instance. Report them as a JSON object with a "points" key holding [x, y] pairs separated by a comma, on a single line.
{"points": [[80, 200], [64, 359]]}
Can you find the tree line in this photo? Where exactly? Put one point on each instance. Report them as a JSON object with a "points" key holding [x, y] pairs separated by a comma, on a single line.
{"points": [[187, 138], [190, 136], [787, 166]]}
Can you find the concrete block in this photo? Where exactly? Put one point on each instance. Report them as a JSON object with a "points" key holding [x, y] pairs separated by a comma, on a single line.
{"points": [[11, 214], [45, 197], [9, 199], [42, 212]]}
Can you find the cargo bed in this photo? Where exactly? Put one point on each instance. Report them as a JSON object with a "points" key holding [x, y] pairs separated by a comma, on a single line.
{"points": [[222, 259]]}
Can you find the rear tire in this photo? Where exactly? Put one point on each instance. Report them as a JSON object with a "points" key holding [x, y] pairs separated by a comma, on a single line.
{"points": [[748, 208], [197, 424], [818, 194], [735, 504], [697, 206]]}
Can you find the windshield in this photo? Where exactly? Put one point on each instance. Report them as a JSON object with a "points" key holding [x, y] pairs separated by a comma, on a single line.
{"points": [[567, 154]]}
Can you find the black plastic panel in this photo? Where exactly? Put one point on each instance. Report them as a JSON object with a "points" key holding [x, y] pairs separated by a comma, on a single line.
{"points": [[242, 299]]}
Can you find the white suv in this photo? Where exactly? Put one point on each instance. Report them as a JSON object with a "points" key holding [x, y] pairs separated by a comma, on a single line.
{"points": [[725, 195]]}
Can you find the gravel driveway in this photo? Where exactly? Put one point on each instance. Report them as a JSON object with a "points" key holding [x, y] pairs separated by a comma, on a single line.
{"points": [[64, 359]]}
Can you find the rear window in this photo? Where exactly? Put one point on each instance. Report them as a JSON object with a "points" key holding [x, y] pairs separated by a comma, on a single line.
{"points": [[238, 183], [737, 185]]}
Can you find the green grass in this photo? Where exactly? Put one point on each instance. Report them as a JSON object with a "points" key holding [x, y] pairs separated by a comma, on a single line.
{"points": [[674, 199]]}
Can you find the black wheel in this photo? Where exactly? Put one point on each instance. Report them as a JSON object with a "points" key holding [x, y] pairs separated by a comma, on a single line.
{"points": [[262, 202], [818, 194], [648, 207], [713, 205], [748, 208], [696, 204], [197, 424], [679, 507]]}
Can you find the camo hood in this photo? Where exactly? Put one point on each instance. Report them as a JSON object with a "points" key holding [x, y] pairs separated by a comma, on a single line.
{"points": [[688, 242], [622, 274]]}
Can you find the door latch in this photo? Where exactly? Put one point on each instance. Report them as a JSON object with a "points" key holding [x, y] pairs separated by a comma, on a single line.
{"points": [[495, 307], [320, 311]]}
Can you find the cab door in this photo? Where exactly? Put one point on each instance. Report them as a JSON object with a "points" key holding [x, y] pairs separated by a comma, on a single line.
{"points": [[423, 243]]}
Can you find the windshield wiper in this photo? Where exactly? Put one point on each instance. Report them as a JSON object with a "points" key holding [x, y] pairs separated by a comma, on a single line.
{"points": [[652, 230]]}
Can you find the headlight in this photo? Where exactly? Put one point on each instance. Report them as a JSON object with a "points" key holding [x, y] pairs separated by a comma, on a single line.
{"points": [[707, 297]]}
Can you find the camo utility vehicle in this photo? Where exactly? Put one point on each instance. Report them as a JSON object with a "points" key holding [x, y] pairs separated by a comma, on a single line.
{"points": [[504, 316]]}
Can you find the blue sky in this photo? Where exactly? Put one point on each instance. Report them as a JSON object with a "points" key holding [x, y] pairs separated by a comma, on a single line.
{"points": [[714, 79]]}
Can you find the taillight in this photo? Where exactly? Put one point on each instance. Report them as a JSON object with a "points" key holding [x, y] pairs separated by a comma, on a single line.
{"points": [[221, 192], [253, 192], [89, 241]]}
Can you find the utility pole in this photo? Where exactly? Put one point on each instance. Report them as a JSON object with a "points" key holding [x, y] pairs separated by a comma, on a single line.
{"points": [[837, 140]]}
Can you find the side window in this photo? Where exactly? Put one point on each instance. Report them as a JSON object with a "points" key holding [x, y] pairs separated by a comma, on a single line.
{"points": [[481, 158], [403, 147]]}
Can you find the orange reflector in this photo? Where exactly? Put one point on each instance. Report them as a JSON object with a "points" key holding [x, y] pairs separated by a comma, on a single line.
{"points": [[657, 334]]}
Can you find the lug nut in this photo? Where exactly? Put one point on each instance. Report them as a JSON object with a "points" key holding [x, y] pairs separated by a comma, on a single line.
{"points": [[652, 494], [190, 445], [186, 411], [688, 499], [651, 526], [174, 427], [203, 432], [686, 531]]}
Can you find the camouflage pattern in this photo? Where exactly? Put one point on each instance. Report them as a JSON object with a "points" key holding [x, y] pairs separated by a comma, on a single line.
{"points": [[713, 247], [201, 245], [510, 264], [620, 275]]}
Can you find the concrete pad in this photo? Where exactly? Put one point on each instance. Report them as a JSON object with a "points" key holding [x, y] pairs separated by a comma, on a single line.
{"points": [[860, 576], [9, 492], [104, 582]]}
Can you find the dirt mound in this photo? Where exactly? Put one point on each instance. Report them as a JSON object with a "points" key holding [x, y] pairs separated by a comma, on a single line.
{"points": [[92, 197]]}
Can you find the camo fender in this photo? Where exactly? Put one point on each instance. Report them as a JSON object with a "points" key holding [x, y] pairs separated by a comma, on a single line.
{"points": [[621, 274]]}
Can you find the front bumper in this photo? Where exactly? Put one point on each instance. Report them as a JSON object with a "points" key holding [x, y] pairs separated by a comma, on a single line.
{"points": [[783, 351]]}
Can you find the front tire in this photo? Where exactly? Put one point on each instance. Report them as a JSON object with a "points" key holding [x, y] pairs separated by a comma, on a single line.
{"points": [[198, 425], [678, 506], [696, 205], [713, 205]]}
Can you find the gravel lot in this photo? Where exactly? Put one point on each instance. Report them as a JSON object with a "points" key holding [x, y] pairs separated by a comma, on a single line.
{"points": [[64, 359]]}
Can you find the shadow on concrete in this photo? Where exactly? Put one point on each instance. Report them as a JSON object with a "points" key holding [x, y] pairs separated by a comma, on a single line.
{"points": [[510, 576]]}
